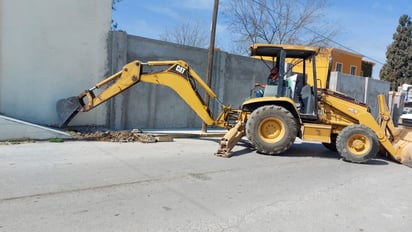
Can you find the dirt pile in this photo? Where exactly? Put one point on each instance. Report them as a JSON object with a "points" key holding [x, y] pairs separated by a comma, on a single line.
{"points": [[122, 136]]}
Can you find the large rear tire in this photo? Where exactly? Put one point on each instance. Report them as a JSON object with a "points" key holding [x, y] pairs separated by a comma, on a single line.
{"points": [[271, 129], [357, 143]]}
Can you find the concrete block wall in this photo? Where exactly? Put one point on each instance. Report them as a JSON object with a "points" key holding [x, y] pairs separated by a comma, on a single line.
{"points": [[151, 106], [373, 89], [362, 89]]}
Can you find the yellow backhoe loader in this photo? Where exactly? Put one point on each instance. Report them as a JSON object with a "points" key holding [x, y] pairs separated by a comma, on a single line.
{"points": [[286, 107]]}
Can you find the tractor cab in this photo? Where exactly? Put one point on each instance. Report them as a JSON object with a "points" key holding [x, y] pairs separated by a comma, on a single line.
{"points": [[288, 74]]}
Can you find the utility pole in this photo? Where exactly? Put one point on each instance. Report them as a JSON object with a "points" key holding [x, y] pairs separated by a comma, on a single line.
{"points": [[210, 57]]}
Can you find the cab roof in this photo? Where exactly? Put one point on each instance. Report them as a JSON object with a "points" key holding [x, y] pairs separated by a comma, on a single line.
{"points": [[292, 51]]}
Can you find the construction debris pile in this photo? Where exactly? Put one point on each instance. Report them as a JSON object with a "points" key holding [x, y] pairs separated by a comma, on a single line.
{"points": [[122, 136]]}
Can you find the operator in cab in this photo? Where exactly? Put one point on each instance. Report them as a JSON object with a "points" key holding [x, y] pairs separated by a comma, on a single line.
{"points": [[273, 76]]}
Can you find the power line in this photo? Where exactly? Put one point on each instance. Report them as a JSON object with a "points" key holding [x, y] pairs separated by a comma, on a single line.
{"points": [[343, 46]]}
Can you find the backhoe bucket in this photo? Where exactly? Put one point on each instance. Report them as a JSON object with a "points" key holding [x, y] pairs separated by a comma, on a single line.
{"points": [[67, 109], [403, 145]]}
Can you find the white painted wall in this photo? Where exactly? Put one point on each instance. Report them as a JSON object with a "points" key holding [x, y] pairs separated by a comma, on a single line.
{"points": [[51, 49]]}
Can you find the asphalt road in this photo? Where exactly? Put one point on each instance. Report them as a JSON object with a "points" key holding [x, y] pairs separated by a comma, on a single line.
{"points": [[182, 186]]}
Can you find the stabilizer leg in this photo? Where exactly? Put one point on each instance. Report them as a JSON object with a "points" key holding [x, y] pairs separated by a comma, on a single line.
{"points": [[230, 139]]}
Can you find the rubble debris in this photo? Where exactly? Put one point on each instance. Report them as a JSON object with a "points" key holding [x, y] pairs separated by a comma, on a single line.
{"points": [[123, 136]]}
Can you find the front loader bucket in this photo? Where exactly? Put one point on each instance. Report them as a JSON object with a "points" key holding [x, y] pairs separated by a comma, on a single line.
{"points": [[67, 109], [403, 145]]}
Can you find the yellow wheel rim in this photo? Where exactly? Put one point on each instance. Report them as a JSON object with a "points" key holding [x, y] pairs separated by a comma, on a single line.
{"points": [[358, 144], [271, 130]]}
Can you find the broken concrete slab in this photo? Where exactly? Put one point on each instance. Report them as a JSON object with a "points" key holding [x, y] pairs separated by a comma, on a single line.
{"points": [[14, 129]]}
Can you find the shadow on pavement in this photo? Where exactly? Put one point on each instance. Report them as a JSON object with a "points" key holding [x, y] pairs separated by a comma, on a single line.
{"points": [[314, 150], [244, 143]]}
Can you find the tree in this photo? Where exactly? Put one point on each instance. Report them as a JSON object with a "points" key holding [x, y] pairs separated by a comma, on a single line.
{"points": [[279, 21], [189, 33], [398, 66]]}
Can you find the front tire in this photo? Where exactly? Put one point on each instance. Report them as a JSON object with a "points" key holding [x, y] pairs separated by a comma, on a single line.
{"points": [[271, 129], [357, 143]]}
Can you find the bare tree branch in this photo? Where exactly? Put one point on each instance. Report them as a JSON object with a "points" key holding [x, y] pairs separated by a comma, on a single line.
{"points": [[189, 33], [279, 21]]}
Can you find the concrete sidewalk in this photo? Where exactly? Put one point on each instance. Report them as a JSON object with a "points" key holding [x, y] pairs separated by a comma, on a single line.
{"points": [[14, 129], [188, 132]]}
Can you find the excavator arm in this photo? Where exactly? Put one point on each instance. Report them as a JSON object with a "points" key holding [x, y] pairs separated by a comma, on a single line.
{"points": [[176, 75]]}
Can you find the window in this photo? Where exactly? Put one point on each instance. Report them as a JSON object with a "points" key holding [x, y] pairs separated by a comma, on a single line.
{"points": [[338, 67], [353, 70]]}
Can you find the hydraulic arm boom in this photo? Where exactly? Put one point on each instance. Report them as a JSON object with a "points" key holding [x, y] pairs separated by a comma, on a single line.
{"points": [[177, 75]]}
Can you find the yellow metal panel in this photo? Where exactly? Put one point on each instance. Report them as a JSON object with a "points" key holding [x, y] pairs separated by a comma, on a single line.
{"points": [[269, 99], [317, 132], [322, 68]]}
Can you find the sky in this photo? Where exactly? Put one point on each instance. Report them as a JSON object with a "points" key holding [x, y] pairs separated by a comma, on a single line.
{"points": [[366, 26]]}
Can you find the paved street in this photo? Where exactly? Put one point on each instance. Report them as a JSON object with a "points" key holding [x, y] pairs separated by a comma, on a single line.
{"points": [[182, 186]]}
